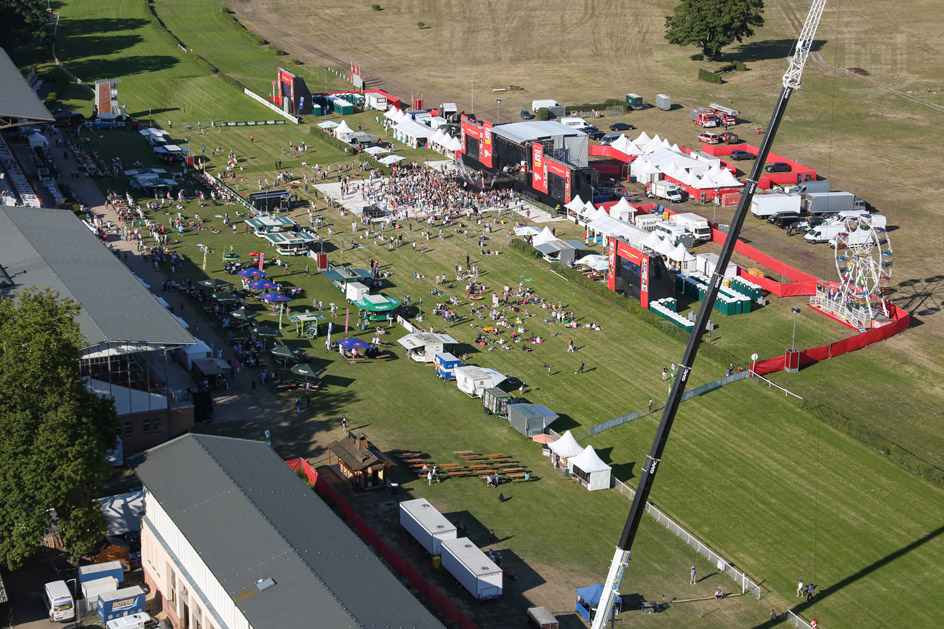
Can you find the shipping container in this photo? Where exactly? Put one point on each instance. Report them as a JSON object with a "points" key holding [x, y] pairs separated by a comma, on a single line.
{"points": [[120, 603], [101, 570]]}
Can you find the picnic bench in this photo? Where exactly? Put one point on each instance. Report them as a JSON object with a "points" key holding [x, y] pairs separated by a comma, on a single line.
{"points": [[462, 452], [450, 465]]}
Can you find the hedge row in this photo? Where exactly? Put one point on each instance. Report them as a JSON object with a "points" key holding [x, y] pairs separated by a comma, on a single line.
{"points": [[231, 15], [609, 102], [708, 76], [874, 440]]}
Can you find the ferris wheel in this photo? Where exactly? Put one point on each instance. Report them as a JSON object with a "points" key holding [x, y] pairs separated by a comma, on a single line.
{"points": [[864, 263]]}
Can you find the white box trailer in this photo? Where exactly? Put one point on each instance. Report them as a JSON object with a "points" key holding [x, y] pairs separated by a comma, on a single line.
{"points": [[472, 568], [830, 202], [694, 224], [426, 524], [706, 263], [376, 101], [764, 205]]}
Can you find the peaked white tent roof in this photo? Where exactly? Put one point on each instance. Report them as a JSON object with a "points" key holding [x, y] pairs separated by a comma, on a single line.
{"points": [[527, 230], [618, 229], [392, 113], [589, 462], [454, 144], [623, 206], [643, 139], [652, 241], [627, 146], [414, 129], [680, 254], [566, 446], [595, 262], [575, 204], [544, 236], [343, 129]]}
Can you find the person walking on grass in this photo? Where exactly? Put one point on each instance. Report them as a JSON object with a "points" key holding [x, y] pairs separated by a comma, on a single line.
{"points": [[800, 589], [580, 368]]}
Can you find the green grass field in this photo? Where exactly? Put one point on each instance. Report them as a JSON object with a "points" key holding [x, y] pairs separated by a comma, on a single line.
{"points": [[769, 486]]}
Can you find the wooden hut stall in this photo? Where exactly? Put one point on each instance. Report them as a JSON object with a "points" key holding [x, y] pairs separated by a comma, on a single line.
{"points": [[362, 464]]}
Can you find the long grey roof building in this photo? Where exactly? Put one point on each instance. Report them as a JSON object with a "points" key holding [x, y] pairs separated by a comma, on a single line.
{"points": [[251, 519], [46, 247]]}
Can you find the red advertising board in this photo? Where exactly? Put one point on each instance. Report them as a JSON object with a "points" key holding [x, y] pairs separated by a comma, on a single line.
{"points": [[486, 154], [538, 168], [562, 171], [642, 260]]}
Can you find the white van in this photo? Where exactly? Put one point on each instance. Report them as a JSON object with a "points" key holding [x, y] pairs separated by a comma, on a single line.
{"points": [[58, 600], [575, 123], [673, 233]]}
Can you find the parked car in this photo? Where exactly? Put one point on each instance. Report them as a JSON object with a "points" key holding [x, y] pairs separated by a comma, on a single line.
{"points": [[778, 167], [621, 126], [610, 137], [730, 138], [739, 155], [786, 221], [526, 115], [595, 134], [709, 138], [776, 216]]}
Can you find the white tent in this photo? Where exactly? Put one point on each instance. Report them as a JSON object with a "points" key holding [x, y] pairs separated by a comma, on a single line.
{"points": [[681, 254], [412, 133], [627, 146], [595, 262], [472, 380], [565, 447], [376, 150], [37, 139], [439, 138], [392, 114], [390, 159], [327, 124], [622, 211], [575, 204], [544, 236], [343, 130], [454, 145], [527, 230], [589, 470]]}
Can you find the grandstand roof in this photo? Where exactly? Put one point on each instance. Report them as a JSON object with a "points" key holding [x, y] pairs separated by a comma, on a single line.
{"points": [[53, 248], [17, 99]]}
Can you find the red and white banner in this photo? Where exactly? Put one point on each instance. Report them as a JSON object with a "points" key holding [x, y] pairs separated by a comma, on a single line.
{"points": [[538, 168]]}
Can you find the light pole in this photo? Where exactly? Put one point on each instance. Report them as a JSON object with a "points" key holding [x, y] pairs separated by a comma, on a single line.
{"points": [[473, 94], [325, 68], [498, 121], [795, 311]]}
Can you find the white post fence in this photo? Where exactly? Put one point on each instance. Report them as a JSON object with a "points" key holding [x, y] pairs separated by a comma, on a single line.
{"points": [[777, 386], [723, 565], [795, 620]]}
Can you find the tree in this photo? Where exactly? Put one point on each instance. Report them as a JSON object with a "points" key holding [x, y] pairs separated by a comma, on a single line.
{"points": [[55, 432], [713, 24], [24, 22]]}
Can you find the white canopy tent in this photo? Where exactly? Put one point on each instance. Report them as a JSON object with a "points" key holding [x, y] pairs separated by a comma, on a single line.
{"points": [[595, 262], [589, 470], [544, 236], [342, 131], [390, 159], [566, 446], [327, 124], [472, 380], [527, 230], [412, 133], [392, 114], [575, 204], [376, 150], [606, 226], [623, 210]]}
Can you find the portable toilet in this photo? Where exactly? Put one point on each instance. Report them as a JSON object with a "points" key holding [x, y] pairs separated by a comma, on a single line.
{"points": [[317, 110], [495, 402], [634, 101], [664, 102], [445, 363]]}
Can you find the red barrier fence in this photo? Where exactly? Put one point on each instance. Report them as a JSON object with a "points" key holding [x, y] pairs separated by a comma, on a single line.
{"points": [[805, 284], [401, 565], [801, 284]]}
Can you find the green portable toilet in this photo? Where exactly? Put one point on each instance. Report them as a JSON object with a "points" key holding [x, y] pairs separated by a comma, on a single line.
{"points": [[634, 101], [317, 111]]}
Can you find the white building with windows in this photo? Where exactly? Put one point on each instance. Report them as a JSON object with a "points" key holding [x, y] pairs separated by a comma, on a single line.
{"points": [[231, 538]]}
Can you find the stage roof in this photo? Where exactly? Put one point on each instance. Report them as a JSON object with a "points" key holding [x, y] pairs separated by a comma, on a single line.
{"points": [[522, 132], [17, 100]]}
